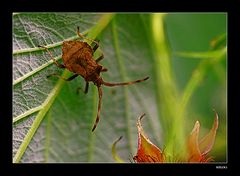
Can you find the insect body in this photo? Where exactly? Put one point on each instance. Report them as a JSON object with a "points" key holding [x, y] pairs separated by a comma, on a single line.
{"points": [[78, 58]]}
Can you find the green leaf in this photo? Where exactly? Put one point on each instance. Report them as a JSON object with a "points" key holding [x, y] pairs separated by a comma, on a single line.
{"points": [[52, 123]]}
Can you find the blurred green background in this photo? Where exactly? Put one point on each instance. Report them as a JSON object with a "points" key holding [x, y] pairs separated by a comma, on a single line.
{"points": [[194, 33]]}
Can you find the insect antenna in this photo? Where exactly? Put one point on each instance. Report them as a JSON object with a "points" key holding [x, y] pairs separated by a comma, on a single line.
{"points": [[123, 84], [99, 107]]}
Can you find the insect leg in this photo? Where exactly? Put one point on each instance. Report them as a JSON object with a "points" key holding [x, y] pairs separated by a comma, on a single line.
{"points": [[100, 58], [54, 60], [99, 108], [95, 46], [66, 79], [125, 83], [86, 88], [82, 36], [104, 70]]}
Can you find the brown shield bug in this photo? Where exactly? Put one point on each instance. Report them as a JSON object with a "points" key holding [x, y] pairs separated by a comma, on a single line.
{"points": [[78, 58]]}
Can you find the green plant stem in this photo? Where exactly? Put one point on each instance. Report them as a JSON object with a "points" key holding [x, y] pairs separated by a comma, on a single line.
{"points": [[203, 55], [172, 121], [200, 72]]}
